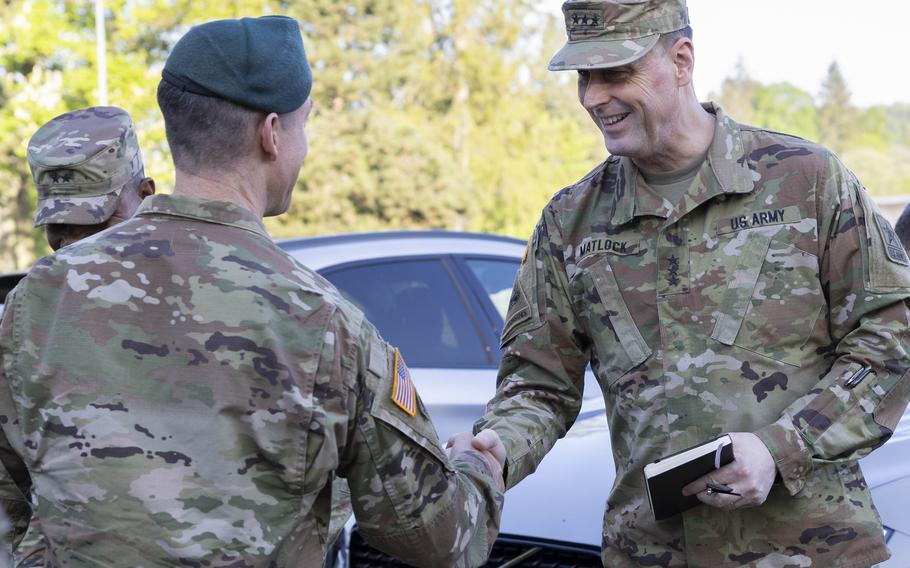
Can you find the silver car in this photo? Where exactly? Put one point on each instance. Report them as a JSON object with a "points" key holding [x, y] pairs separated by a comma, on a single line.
{"points": [[441, 298]]}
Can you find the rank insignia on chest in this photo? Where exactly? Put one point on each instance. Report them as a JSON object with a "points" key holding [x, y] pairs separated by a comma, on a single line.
{"points": [[404, 394], [673, 270]]}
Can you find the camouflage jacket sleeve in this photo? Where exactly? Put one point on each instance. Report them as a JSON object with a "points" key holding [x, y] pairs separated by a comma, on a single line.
{"points": [[31, 550], [409, 499], [541, 376], [15, 481], [857, 404]]}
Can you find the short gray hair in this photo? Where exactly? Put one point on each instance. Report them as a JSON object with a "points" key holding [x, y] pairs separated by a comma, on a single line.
{"points": [[668, 39]]}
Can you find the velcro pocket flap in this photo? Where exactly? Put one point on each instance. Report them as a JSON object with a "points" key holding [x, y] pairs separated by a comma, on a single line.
{"points": [[753, 246], [627, 332]]}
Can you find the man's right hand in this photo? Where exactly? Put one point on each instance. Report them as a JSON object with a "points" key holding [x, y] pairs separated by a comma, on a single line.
{"points": [[487, 444]]}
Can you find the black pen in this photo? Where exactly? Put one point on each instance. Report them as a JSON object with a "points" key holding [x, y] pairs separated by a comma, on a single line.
{"points": [[723, 489]]}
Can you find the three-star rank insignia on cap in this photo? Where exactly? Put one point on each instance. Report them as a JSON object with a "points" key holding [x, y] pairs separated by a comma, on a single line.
{"points": [[585, 20], [404, 395]]}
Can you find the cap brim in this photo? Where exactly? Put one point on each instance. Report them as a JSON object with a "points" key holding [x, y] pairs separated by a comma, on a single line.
{"points": [[596, 54], [71, 210]]}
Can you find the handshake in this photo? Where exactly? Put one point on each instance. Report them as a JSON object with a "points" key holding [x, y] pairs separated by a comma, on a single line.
{"points": [[485, 444]]}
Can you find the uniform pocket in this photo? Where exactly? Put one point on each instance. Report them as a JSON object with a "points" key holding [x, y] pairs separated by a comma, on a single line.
{"points": [[398, 427], [617, 341], [773, 299], [407, 457], [417, 429]]}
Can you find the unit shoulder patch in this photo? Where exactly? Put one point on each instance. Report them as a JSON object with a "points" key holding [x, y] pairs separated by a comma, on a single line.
{"points": [[519, 312], [885, 263], [404, 394], [893, 247]]}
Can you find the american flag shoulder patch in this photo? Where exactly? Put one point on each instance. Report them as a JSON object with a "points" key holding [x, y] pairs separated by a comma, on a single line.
{"points": [[404, 395]]}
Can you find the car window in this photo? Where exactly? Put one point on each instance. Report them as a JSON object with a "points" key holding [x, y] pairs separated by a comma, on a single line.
{"points": [[416, 307], [7, 283], [497, 278]]}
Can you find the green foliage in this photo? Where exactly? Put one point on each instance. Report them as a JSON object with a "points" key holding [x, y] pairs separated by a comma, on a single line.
{"points": [[785, 108], [836, 115], [428, 113], [873, 142]]}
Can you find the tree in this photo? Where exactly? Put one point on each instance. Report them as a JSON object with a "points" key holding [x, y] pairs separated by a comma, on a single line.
{"points": [[785, 108], [836, 115], [428, 113], [737, 94], [47, 67]]}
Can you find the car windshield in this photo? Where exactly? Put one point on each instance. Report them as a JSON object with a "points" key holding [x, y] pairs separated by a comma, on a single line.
{"points": [[416, 307]]}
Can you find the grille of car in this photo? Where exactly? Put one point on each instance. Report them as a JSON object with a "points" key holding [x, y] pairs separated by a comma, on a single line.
{"points": [[508, 552]]}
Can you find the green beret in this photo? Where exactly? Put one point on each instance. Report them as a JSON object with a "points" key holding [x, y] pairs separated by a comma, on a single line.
{"points": [[258, 63]]}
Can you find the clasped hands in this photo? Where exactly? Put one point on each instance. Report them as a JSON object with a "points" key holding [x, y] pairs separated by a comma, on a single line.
{"points": [[487, 445], [749, 476]]}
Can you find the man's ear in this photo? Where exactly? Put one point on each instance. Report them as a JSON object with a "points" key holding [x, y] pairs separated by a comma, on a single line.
{"points": [[268, 136], [146, 187], [683, 55]]}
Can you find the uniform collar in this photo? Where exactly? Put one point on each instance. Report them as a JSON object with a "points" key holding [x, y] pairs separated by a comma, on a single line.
{"points": [[220, 212], [725, 171]]}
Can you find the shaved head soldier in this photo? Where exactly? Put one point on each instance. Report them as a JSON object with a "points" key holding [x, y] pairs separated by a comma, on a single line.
{"points": [[88, 172], [179, 391], [719, 278]]}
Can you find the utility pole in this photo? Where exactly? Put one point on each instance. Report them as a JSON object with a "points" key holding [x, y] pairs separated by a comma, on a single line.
{"points": [[101, 52]]}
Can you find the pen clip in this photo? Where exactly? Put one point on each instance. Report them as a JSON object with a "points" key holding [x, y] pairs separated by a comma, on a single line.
{"points": [[857, 377]]}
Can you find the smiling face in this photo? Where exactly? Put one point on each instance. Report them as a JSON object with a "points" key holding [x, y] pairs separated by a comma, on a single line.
{"points": [[636, 107]]}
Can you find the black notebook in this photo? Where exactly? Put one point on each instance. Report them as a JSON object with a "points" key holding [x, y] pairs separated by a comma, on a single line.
{"points": [[666, 477]]}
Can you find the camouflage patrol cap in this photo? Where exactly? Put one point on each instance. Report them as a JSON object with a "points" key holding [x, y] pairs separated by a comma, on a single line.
{"points": [[610, 33], [80, 162]]}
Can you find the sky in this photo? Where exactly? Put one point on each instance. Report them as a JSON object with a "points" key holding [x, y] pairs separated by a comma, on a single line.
{"points": [[795, 41]]}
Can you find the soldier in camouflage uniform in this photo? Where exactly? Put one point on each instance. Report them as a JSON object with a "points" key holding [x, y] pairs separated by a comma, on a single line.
{"points": [[719, 278], [89, 174], [181, 392], [88, 171]]}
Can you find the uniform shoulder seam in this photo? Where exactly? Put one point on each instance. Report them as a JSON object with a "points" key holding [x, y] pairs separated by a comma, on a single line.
{"points": [[767, 131], [584, 182]]}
